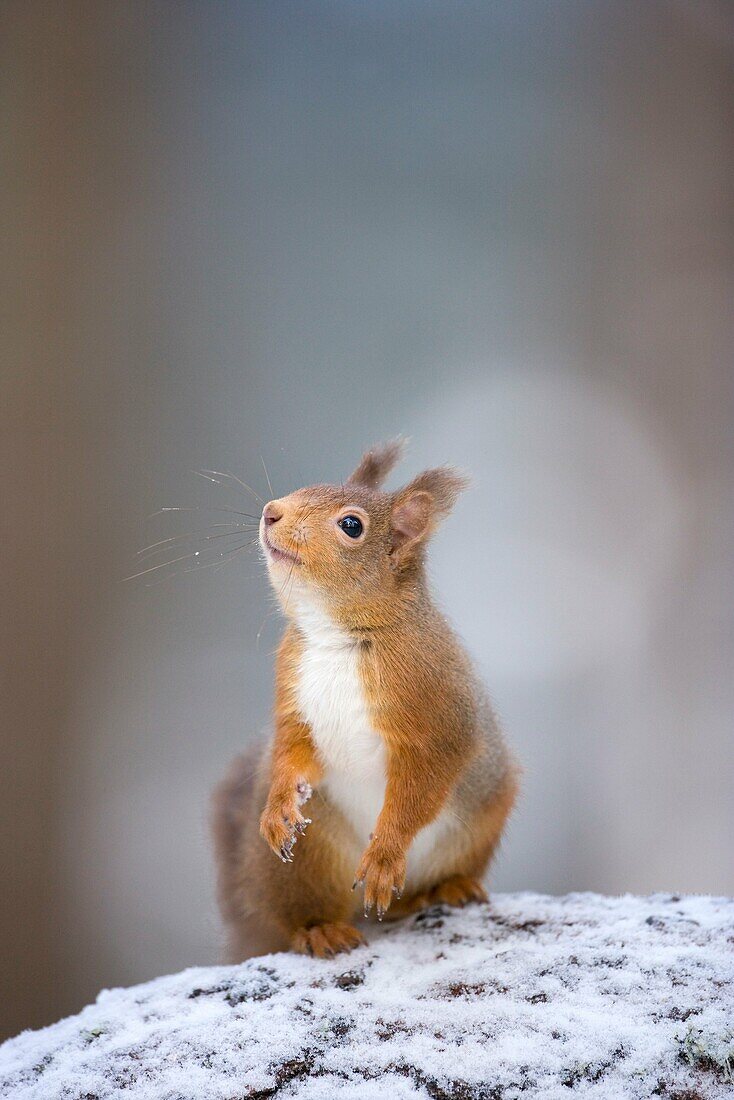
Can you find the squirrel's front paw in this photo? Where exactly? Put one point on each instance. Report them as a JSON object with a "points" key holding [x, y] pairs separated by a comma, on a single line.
{"points": [[282, 822], [382, 870]]}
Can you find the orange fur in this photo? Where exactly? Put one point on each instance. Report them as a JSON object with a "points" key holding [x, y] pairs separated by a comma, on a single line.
{"points": [[445, 761]]}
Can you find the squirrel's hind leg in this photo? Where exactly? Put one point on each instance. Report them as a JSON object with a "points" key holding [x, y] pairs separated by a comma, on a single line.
{"points": [[326, 940], [456, 890], [459, 890]]}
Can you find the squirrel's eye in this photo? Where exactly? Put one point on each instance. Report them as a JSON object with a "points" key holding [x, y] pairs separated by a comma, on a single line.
{"points": [[352, 526]]}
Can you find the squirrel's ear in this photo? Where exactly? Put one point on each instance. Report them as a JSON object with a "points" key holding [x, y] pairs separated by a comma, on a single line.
{"points": [[418, 509], [377, 463]]}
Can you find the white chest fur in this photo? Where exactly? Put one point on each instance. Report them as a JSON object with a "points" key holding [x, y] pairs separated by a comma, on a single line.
{"points": [[332, 701]]}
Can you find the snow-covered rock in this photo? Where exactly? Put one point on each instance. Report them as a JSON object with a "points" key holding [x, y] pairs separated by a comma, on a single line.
{"points": [[528, 996]]}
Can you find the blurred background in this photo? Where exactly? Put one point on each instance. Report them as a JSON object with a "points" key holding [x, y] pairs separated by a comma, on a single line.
{"points": [[289, 230]]}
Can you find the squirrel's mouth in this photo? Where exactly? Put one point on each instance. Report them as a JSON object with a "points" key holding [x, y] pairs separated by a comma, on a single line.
{"points": [[275, 551]]}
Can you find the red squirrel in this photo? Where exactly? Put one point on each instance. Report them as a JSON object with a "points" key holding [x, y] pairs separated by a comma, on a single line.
{"points": [[387, 765]]}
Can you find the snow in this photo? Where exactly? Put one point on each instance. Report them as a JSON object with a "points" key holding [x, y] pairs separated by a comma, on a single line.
{"points": [[529, 995]]}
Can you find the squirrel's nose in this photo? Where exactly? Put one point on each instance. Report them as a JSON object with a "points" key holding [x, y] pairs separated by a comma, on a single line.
{"points": [[271, 514]]}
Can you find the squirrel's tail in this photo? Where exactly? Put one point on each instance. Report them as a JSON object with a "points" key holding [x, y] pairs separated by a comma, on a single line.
{"points": [[232, 810]]}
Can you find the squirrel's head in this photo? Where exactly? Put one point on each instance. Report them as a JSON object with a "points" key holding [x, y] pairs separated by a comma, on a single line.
{"points": [[351, 545]]}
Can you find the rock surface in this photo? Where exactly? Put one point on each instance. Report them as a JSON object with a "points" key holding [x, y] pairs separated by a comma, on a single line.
{"points": [[528, 996]]}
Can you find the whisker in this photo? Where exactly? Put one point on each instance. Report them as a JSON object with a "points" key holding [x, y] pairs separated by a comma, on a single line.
{"points": [[214, 564], [158, 548], [237, 527], [234, 523], [223, 473], [204, 508], [179, 541], [226, 556], [236, 512], [162, 565], [262, 626], [160, 580], [267, 475], [198, 568], [289, 579]]}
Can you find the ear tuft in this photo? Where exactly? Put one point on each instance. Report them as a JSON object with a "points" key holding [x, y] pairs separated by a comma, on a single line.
{"points": [[445, 484], [377, 463], [419, 508]]}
